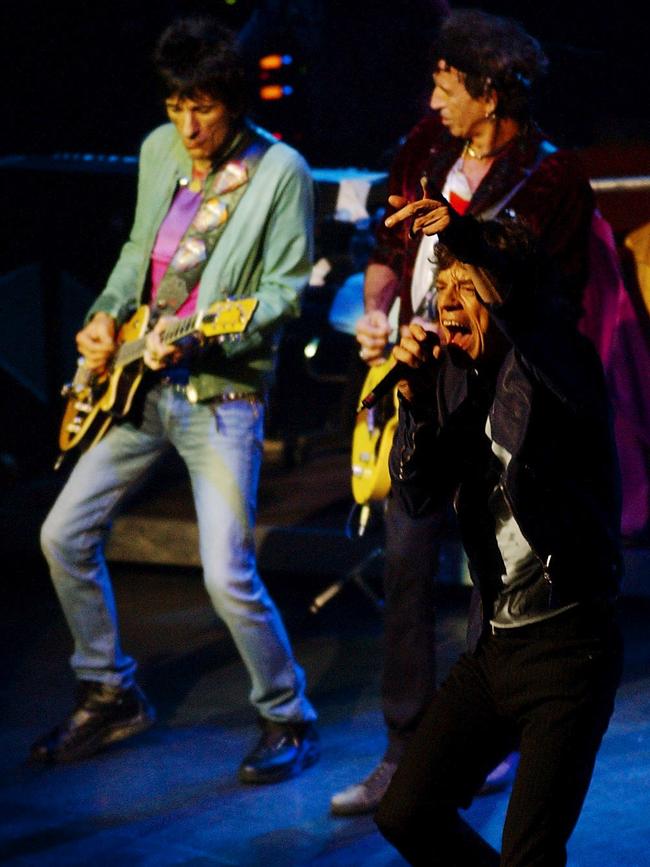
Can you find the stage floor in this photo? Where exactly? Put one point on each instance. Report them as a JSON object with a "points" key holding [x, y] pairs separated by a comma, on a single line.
{"points": [[171, 795]]}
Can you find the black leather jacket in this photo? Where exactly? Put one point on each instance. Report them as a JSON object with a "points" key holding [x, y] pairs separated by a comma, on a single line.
{"points": [[547, 405]]}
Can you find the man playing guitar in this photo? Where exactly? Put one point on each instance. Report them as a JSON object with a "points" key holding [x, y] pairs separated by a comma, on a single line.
{"points": [[481, 147], [224, 211]]}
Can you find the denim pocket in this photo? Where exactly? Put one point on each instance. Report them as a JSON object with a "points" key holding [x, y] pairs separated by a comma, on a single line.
{"points": [[240, 420]]}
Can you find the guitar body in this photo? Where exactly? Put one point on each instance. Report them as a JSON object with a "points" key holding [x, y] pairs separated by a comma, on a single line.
{"points": [[83, 418], [372, 440], [94, 401], [125, 378]]}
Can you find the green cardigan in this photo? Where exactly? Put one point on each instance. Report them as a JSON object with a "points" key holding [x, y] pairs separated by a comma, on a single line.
{"points": [[265, 251]]}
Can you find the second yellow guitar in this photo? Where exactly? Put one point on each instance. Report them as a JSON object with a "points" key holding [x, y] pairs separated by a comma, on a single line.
{"points": [[372, 440]]}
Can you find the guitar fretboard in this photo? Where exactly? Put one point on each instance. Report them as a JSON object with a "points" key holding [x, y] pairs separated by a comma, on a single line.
{"points": [[133, 350]]}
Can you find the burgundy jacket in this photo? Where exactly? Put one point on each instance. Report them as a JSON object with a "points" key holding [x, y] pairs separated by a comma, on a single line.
{"points": [[555, 200]]}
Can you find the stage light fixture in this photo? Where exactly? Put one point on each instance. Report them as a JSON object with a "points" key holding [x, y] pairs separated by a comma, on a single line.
{"points": [[275, 61], [275, 91]]}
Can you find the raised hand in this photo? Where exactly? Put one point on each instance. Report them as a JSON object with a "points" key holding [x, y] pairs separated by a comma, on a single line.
{"points": [[429, 215]]}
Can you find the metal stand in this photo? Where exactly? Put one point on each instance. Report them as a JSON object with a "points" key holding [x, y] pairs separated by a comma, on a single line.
{"points": [[355, 575]]}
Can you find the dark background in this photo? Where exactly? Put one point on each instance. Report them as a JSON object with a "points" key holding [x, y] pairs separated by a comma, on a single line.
{"points": [[79, 88], [77, 75]]}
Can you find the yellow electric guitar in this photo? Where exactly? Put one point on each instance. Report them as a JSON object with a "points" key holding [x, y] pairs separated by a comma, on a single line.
{"points": [[94, 401], [372, 440]]}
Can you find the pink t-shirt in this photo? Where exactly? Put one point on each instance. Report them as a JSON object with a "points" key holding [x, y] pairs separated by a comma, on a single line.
{"points": [[181, 213]]}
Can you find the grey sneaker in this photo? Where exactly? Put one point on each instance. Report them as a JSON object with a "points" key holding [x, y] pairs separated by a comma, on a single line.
{"points": [[364, 797]]}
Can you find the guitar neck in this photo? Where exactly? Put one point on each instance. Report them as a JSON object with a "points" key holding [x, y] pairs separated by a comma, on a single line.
{"points": [[133, 350]]}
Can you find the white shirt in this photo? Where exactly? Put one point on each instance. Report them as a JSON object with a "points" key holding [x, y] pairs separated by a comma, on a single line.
{"points": [[425, 267]]}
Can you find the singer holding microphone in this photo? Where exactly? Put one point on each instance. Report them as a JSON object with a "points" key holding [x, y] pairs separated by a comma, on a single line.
{"points": [[480, 146], [509, 416]]}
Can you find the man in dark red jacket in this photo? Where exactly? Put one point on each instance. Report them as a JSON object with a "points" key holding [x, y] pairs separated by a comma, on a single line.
{"points": [[482, 149]]}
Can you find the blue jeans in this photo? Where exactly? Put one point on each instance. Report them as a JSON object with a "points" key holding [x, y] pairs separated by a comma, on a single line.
{"points": [[221, 445]]}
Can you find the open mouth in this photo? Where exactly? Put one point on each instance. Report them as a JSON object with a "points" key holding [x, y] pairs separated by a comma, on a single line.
{"points": [[457, 333]]}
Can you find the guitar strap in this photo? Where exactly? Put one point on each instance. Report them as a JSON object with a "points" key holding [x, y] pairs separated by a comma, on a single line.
{"points": [[222, 191]]}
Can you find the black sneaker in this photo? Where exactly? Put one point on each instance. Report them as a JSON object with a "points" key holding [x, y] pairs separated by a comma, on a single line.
{"points": [[283, 751], [102, 714]]}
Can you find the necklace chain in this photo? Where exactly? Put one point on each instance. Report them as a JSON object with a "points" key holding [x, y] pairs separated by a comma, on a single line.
{"points": [[471, 151]]}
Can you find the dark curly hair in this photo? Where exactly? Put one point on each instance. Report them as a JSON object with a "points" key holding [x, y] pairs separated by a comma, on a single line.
{"points": [[198, 55], [478, 242], [492, 53], [513, 256]]}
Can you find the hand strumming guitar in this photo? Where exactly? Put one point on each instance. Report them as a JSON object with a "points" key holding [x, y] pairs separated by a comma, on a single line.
{"points": [[380, 289], [157, 353], [372, 332]]}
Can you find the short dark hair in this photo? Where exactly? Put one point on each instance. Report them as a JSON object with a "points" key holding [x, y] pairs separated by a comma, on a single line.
{"points": [[492, 53], [197, 55], [482, 240], [516, 259], [509, 251]]}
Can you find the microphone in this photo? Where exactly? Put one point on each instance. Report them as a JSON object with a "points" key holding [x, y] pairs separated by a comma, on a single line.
{"points": [[400, 370]]}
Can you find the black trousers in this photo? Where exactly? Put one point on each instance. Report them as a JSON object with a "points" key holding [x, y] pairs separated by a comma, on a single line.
{"points": [[409, 671], [547, 688]]}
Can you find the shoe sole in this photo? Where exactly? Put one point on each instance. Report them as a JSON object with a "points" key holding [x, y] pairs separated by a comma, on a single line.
{"points": [[119, 732], [353, 811], [494, 788], [310, 758]]}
